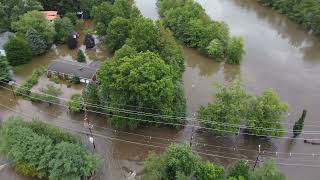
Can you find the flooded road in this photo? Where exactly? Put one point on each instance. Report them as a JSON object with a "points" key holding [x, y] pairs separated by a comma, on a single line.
{"points": [[279, 55]]}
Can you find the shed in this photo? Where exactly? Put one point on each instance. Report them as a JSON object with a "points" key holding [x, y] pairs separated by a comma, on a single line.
{"points": [[51, 15], [86, 72]]}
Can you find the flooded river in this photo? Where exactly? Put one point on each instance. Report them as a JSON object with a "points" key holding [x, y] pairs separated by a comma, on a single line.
{"points": [[279, 55]]}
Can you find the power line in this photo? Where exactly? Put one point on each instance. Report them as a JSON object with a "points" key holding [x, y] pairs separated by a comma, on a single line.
{"points": [[174, 124]]}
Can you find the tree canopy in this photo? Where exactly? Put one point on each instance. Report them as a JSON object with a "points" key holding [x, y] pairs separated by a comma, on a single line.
{"points": [[63, 27], [35, 20], [117, 33], [143, 80], [179, 162], [18, 51], [36, 41], [5, 69], [191, 25]]}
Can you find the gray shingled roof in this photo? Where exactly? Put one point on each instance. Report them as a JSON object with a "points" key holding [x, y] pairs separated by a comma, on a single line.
{"points": [[85, 71]]}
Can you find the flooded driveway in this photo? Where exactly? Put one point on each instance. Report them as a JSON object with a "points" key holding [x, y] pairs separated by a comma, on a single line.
{"points": [[279, 55]]}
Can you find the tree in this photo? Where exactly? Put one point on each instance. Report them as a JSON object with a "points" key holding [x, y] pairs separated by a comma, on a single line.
{"points": [[265, 115], [10, 10], [228, 109], [117, 33], [143, 80], [37, 21], [50, 94], [75, 103], [102, 16], [72, 16], [63, 27], [80, 56], [240, 169], [298, 126], [235, 50], [179, 162], [90, 96], [37, 43], [144, 35], [18, 51], [267, 171], [125, 51], [5, 69]]}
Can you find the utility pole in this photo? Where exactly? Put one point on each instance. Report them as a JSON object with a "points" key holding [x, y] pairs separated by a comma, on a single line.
{"points": [[87, 121], [192, 131], [11, 83], [258, 158]]}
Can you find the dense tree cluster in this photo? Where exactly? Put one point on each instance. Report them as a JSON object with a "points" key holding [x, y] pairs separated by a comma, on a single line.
{"points": [[306, 12], [10, 10], [39, 150], [178, 162], [147, 67], [63, 27], [262, 114], [192, 26]]}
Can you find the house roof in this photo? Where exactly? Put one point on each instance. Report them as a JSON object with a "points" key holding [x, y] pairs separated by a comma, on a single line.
{"points": [[50, 15], [84, 71]]}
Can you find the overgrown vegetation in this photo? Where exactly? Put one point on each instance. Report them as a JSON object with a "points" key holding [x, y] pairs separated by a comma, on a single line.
{"points": [[262, 114], [5, 69], [25, 88], [192, 26], [306, 12], [39, 150]]}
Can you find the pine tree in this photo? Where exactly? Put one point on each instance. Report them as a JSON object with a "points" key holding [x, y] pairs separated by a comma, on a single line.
{"points": [[37, 43], [298, 126], [80, 56]]}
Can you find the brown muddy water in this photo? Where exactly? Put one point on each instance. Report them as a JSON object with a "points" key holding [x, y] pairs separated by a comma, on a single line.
{"points": [[279, 55]]}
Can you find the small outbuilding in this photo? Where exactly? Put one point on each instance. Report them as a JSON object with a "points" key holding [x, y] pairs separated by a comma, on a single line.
{"points": [[50, 15], [86, 72]]}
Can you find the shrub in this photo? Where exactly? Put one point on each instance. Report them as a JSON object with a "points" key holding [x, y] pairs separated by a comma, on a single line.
{"points": [[216, 50], [80, 56], [5, 69], [74, 104], [235, 50], [27, 86], [18, 51], [55, 78]]}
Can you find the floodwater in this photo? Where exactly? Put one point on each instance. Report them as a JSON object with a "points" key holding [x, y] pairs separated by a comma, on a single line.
{"points": [[279, 55]]}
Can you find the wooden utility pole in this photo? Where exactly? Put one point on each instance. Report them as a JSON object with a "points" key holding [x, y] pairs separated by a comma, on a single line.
{"points": [[258, 158], [86, 120], [11, 83]]}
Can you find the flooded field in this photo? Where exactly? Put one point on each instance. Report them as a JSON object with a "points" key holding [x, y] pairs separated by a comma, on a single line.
{"points": [[279, 55]]}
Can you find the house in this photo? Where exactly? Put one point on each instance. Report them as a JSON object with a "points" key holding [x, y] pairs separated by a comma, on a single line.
{"points": [[86, 72], [51, 15]]}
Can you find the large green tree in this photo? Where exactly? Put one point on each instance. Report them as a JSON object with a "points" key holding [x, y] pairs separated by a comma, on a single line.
{"points": [[37, 21], [5, 70], [143, 80], [179, 162], [90, 95], [18, 51], [10, 10], [265, 114], [144, 35], [63, 27], [226, 112], [117, 33]]}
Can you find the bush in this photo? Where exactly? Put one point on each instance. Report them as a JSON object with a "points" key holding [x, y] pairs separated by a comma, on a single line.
{"points": [[40, 150], [74, 104], [216, 50], [18, 51], [240, 168], [235, 50], [80, 56], [63, 28], [55, 78]]}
